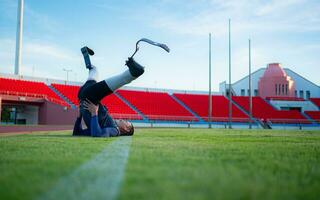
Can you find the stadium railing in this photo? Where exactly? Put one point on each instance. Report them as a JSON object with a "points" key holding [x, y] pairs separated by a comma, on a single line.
{"points": [[285, 98], [223, 120], [126, 116], [287, 121]]}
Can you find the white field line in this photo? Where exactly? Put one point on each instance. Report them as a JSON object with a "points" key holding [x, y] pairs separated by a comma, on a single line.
{"points": [[99, 178]]}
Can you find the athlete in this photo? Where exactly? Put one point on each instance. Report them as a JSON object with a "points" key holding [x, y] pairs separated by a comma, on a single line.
{"points": [[96, 117]]}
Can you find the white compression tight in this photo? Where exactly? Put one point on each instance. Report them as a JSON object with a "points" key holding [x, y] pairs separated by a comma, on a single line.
{"points": [[119, 80]]}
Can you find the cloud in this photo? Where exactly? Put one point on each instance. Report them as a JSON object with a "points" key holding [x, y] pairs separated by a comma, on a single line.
{"points": [[248, 16], [276, 7], [50, 59], [44, 58], [40, 20], [49, 51]]}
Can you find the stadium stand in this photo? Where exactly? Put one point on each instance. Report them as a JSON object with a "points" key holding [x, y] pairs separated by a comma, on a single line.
{"points": [[263, 111], [316, 101], [117, 108], [69, 91], [137, 104], [314, 115], [157, 105], [29, 89], [199, 104]]}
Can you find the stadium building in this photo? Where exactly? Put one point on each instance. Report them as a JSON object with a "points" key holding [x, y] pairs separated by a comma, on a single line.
{"points": [[282, 87], [281, 98], [274, 81]]}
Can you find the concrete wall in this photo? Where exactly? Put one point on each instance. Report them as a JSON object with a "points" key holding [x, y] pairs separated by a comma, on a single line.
{"points": [[54, 114]]}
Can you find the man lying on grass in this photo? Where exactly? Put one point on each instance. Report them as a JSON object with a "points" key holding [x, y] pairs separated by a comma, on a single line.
{"points": [[95, 115], [110, 129]]}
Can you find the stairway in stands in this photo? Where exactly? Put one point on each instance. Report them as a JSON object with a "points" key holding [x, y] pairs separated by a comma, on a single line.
{"points": [[256, 121], [309, 118], [62, 96], [157, 105], [131, 106], [187, 108]]}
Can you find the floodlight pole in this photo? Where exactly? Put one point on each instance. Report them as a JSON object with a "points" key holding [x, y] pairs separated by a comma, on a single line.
{"points": [[19, 37], [67, 71], [210, 98], [230, 93], [250, 88]]}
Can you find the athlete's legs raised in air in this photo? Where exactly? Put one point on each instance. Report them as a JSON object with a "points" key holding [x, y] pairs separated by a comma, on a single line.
{"points": [[96, 91]]}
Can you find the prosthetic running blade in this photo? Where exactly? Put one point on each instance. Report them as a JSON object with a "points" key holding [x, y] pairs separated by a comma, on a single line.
{"points": [[163, 46]]}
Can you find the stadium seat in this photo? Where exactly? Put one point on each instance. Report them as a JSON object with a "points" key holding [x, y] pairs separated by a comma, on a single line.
{"points": [[157, 105], [69, 91], [29, 88], [199, 104], [264, 111], [314, 115], [316, 101], [117, 108]]}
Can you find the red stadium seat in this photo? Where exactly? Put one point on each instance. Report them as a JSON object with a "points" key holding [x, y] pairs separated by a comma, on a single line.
{"points": [[161, 106], [316, 101], [314, 115], [262, 110], [69, 91], [29, 88], [117, 108], [157, 105], [199, 104]]}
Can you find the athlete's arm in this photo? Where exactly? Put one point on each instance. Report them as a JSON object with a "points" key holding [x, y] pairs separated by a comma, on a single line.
{"points": [[77, 129], [97, 131]]}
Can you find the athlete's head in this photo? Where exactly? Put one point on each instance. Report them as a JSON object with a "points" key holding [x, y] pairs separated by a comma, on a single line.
{"points": [[125, 127]]}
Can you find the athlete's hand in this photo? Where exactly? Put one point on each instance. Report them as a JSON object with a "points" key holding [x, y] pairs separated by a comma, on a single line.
{"points": [[88, 105]]}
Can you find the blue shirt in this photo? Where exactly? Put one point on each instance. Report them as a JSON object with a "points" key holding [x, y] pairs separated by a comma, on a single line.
{"points": [[104, 118], [95, 130]]}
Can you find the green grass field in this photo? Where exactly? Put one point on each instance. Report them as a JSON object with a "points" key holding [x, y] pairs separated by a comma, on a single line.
{"points": [[169, 164]]}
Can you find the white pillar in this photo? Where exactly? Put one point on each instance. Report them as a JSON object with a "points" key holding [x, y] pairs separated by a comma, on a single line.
{"points": [[230, 93], [19, 37], [250, 87], [210, 96]]}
